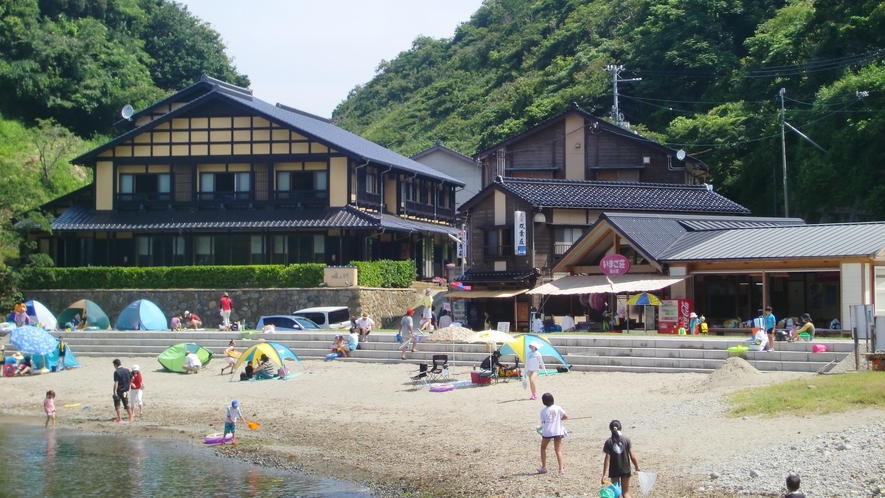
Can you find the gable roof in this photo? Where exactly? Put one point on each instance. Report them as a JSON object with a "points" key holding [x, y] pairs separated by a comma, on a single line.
{"points": [[305, 124], [598, 124], [439, 147], [620, 196], [201, 87], [838, 240]]}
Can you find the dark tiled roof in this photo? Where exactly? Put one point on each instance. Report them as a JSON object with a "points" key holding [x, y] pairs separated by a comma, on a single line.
{"points": [[621, 196], [516, 276], [317, 128], [442, 148], [392, 222], [80, 218], [653, 233], [841, 240]]}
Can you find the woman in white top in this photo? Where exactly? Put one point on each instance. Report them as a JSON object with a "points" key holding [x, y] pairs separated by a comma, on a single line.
{"points": [[533, 364], [364, 326], [444, 320]]}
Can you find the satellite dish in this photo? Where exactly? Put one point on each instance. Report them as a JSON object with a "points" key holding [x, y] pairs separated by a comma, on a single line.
{"points": [[680, 154], [127, 111]]}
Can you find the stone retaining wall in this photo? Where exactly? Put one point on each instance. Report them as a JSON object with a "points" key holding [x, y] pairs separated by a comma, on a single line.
{"points": [[385, 306]]}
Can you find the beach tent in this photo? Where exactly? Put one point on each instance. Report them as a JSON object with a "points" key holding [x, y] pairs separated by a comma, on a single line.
{"points": [[141, 315], [173, 358], [521, 348], [39, 314], [95, 316], [275, 351], [50, 360]]}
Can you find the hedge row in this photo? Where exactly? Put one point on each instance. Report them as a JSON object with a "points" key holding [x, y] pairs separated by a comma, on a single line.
{"points": [[383, 273]]}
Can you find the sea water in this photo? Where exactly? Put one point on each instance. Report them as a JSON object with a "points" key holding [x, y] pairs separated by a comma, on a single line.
{"points": [[61, 462]]}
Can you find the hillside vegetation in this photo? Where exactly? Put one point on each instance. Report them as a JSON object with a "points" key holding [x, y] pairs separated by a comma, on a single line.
{"points": [[67, 67], [711, 74]]}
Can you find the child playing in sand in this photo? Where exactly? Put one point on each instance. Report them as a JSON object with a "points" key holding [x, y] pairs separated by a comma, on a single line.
{"points": [[618, 455], [552, 429], [793, 487], [137, 390], [230, 421], [49, 407]]}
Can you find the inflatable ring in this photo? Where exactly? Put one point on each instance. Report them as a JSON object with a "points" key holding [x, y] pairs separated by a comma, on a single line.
{"points": [[75, 405], [218, 438], [442, 388], [738, 349], [331, 356], [9, 369]]}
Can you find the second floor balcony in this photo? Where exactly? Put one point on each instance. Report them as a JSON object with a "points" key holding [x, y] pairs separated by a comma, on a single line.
{"points": [[414, 208], [301, 198]]}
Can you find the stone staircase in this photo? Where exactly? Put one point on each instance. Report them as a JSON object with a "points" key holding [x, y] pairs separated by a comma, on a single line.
{"points": [[622, 353]]}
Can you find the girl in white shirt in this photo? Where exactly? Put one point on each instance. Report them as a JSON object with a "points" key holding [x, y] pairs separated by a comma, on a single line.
{"points": [[533, 363], [552, 429]]}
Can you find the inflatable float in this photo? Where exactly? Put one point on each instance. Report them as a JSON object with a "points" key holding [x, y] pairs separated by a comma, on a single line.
{"points": [[442, 388], [218, 438], [738, 349], [9, 369], [75, 405], [331, 356]]}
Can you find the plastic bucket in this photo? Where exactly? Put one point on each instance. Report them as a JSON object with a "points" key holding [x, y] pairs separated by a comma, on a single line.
{"points": [[610, 491]]}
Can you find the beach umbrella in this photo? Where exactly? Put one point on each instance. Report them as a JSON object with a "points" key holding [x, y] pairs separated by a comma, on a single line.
{"points": [[450, 334], [491, 337], [32, 340], [642, 299]]}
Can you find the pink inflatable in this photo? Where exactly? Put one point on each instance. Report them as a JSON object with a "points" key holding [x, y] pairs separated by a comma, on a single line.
{"points": [[819, 348], [217, 438]]}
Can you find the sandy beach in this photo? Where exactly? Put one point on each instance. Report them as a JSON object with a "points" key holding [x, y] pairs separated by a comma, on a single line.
{"points": [[366, 423]]}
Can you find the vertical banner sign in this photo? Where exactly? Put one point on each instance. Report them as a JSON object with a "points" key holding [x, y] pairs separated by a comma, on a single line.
{"points": [[519, 233], [462, 246]]}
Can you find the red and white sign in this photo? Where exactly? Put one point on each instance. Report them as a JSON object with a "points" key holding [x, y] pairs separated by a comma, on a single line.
{"points": [[614, 264]]}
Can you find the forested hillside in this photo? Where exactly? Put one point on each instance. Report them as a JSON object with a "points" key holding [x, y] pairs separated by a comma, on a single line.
{"points": [[711, 74], [67, 67]]}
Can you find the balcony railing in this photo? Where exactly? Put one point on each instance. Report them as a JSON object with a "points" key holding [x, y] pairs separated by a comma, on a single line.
{"points": [[368, 199], [301, 198], [559, 248], [225, 197], [413, 208], [149, 200]]}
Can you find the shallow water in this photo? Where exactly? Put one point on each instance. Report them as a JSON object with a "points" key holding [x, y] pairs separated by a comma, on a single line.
{"points": [[61, 462]]}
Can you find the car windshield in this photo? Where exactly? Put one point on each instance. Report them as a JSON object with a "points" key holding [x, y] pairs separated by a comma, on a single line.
{"points": [[306, 322]]}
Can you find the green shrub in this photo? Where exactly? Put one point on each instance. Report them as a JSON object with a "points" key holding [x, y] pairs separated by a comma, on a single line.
{"points": [[174, 277], [385, 273]]}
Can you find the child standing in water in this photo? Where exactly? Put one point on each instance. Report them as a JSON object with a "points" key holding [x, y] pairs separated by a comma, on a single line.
{"points": [[49, 407], [618, 455], [552, 430]]}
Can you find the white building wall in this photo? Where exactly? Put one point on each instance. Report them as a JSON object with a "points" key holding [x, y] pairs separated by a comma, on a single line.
{"points": [[464, 169], [856, 288]]}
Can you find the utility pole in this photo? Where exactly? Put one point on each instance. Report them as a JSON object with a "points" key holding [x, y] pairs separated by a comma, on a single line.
{"points": [[784, 154], [616, 71]]}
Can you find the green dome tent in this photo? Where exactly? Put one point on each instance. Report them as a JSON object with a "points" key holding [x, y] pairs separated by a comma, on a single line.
{"points": [[173, 358], [95, 316]]}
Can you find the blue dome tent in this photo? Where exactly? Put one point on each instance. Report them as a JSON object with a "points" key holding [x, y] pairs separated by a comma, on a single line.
{"points": [[141, 315]]}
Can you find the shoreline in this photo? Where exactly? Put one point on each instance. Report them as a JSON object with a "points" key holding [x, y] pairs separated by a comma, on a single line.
{"points": [[365, 424]]}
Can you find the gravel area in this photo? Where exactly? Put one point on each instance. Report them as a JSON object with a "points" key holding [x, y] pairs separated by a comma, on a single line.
{"points": [[366, 423]]}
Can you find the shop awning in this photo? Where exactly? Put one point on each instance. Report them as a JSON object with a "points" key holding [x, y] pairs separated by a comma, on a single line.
{"points": [[480, 294], [595, 284]]}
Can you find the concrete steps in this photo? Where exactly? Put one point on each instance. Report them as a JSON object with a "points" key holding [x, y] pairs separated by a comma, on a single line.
{"points": [[584, 352]]}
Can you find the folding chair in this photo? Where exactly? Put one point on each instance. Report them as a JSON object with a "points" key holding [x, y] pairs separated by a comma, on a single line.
{"points": [[420, 380], [440, 369]]}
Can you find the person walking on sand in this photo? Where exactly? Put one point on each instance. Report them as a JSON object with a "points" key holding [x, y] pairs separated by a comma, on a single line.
{"points": [[225, 311], [551, 430], [231, 356], [49, 408], [122, 383], [230, 422], [534, 362], [137, 390], [407, 330], [618, 455]]}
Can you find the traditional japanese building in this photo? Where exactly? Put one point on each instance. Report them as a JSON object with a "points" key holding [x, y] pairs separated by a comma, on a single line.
{"points": [[213, 175]]}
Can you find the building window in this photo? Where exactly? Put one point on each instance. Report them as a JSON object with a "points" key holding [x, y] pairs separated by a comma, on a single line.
{"points": [[159, 250], [298, 248], [203, 249], [303, 187], [371, 180], [618, 175], [498, 242], [225, 186], [565, 237], [145, 187]]}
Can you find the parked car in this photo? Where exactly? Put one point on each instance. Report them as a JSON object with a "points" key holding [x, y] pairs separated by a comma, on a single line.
{"points": [[327, 317], [286, 323]]}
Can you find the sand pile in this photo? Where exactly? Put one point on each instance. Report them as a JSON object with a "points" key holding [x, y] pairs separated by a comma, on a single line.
{"points": [[734, 373]]}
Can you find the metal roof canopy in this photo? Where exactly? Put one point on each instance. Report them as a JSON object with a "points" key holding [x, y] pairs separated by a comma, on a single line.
{"points": [[485, 294], [596, 284]]}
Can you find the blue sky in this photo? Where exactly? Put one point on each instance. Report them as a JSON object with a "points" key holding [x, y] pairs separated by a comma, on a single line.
{"points": [[310, 54]]}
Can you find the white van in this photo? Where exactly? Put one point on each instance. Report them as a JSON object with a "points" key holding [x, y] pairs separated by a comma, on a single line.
{"points": [[327, 317]]}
